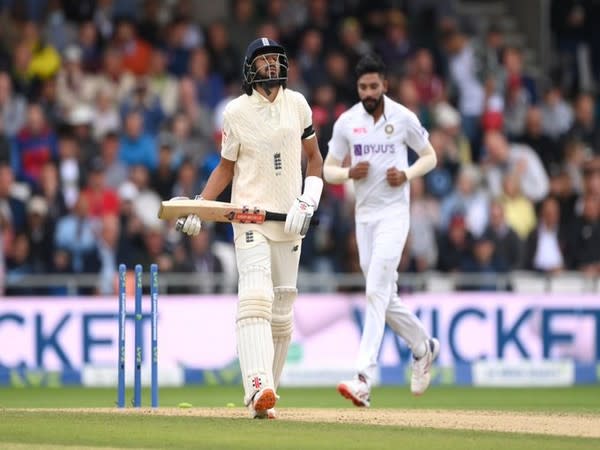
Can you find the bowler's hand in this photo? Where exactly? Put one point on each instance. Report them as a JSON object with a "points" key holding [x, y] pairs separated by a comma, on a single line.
{"points": [[191, 224], [299, 215], [360, 170], [395, 177]]}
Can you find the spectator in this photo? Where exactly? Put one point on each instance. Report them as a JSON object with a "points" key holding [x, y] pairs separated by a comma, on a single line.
{"points": [[508, 245], [18, 265], [110, 253], [585, 127], [177, 53], [91, 47], [145, 102], [205, 261], [187, 183], [242, 24], [75, 235], [458, 147], [52, 192], [106, 117], [424, 217], [210, 87], [12, 209], [440, 181], [113, 76], [545, 246], [310, 56], [557, 113], [585, 238], [101, 199], [136, 146], [45, 60], [482, 261], [429, 85], [136, 52], [74, 86], [502, 158], [561, 188], [12, 107], [163, 179], [518, 209], [395, 48], [222, 53], [455, 246], [80, 120], [336, 66], [40, 232], [35, 145], [514, 76], [468, 200], [546, 148], [463, 76], [489, 54], [162, 84], [352, 43]]}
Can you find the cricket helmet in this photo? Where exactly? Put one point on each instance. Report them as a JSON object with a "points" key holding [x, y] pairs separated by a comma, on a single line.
{"points": [[260, 48]]}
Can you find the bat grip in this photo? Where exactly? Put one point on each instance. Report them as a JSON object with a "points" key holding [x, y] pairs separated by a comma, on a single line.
{"points": [[280, 217]]}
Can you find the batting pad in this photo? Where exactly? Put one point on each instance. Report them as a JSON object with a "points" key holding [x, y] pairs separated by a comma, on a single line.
{"points": [[255, 293], [255, 352], [282, 326]]}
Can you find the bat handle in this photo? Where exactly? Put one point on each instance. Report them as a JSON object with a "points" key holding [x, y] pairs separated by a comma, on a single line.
{"points": [[280, 217]]}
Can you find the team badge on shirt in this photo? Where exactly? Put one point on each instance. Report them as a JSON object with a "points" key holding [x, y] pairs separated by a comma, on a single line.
{"points": [[389, 129]]}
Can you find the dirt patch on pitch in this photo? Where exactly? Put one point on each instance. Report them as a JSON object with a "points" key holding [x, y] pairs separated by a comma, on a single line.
{"points": [[580, 425]]}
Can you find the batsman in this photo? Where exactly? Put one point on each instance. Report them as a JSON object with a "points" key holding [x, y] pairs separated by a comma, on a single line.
{"points": [[267, 131]]}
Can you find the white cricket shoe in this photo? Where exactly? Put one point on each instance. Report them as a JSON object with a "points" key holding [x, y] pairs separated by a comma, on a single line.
{"points": [[262, 404], [421, 368], [357, 391]]}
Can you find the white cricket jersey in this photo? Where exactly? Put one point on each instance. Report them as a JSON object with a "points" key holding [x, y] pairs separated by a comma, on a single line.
{"points": [[383, 145], [265, 140]]}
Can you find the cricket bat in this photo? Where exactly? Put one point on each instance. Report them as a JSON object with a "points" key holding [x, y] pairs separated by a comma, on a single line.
{"points": [[213, 211]]}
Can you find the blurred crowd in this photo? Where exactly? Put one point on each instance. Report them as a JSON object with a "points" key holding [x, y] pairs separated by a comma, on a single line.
{"points": [[107, 108]]}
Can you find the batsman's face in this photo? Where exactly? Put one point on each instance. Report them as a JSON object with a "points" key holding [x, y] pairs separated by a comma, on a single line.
{"points": [[371, 87], [267, 65]]}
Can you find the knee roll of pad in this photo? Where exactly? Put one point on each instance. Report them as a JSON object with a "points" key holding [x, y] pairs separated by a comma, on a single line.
{"points": [[283, 302], [255, 293]]}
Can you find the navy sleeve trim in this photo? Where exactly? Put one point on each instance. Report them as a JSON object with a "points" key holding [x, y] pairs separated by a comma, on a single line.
{"points": [[308, 132]]}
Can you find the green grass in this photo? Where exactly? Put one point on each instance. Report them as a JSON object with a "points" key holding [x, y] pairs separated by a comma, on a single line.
{"points": [[77, 429], [584, 399]]}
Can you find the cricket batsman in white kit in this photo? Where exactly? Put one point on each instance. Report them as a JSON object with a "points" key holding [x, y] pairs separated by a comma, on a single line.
{"points": [[266, 132], [375, 133]]}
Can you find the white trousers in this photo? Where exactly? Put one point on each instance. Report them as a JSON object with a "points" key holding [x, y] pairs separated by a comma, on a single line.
{"points": [[268, 272], [380, 246]]}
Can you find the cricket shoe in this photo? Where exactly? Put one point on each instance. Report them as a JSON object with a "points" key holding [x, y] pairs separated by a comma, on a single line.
{"points": [[262, 401], [270, 413], [357, 391], [421, 368]]}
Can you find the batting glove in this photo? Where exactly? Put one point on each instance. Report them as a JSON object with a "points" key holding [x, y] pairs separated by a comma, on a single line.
{"points": [[299, 215], [189, 225]]}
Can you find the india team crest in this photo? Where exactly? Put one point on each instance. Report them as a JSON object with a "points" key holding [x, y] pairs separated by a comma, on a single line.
{"points": [[389, 129]]}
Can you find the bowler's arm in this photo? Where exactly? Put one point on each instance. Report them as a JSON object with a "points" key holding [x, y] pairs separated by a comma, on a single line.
{"points": [[219, 179]]}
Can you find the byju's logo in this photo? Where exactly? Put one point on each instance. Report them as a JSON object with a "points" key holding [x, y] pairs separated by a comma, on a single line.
{"points": [[360, 149]]}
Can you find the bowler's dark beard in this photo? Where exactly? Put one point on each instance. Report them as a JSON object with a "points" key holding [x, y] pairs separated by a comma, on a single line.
{"points": [[371, 106]]}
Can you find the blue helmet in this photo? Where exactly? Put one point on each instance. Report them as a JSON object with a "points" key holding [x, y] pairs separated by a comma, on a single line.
{"points": [[261, 47]]}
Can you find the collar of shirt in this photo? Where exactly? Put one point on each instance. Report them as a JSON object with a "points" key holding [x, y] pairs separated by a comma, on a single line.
{"points": [[387, 108], [258, 99]]}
